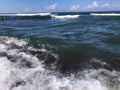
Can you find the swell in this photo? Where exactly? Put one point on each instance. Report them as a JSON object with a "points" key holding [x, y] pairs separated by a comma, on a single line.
{"points": [[67, 24]]}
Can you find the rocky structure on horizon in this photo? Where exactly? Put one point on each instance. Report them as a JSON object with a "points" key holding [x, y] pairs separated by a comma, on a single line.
{"points": [[3, 18]]}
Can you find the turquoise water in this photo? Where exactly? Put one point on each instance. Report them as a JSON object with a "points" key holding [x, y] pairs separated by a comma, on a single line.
{"points": [[73, 43]]}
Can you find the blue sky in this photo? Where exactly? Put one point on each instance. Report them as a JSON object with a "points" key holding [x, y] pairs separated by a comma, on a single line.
{"points": [[7, 6]]}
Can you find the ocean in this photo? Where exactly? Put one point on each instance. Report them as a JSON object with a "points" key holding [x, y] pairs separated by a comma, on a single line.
{"points": [[60, 51]]}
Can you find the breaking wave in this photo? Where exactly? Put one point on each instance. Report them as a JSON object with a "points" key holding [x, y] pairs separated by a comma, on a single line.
{"points": [[65, 16], [105, 14], [27, 14], [36, 14], [41, 15], [22, 67]]}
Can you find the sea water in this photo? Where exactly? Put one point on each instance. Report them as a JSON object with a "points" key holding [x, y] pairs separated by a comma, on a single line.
{"points": [[60, 51]]}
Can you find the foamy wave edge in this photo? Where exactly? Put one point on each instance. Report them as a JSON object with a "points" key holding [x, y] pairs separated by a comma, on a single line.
{"points": [[105, 14], [42, 15], [27, 14], [20, 69], [65, 16]]}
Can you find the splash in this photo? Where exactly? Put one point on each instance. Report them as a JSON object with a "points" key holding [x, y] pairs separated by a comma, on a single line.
{"points": [[22, 68]]}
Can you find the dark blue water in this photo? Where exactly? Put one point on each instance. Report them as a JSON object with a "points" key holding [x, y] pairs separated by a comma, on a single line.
{"points": [[76, 40], [60, 51]]}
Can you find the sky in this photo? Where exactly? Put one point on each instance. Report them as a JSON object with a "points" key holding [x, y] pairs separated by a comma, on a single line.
{"points": [[15, 6]]}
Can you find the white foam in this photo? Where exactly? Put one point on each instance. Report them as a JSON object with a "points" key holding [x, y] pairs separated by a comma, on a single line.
{"points": [[27, 14], [2, 47], [34, 14], [65, 16], [105, 14], [17, 75]]}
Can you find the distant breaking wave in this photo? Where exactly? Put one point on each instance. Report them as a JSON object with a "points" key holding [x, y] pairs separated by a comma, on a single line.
{"points": [[57, 16], [36, 14], [42, 15], [27, 14], [105, 14], [65, 16]]}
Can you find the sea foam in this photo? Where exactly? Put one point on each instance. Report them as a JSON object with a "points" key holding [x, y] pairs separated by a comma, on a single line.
{"points": [[20, 69], [105, 14], [65, 16], [34, 14], [27, 14]]}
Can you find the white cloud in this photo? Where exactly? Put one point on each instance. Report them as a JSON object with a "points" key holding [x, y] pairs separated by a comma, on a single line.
{"points": [[93, 5], [105, 6], [74, 7], [52, 7]]}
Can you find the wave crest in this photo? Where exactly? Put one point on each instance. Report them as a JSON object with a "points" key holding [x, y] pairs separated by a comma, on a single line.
{"points": [[104, 14], [65, 16], [27, 14], [35, 14]]}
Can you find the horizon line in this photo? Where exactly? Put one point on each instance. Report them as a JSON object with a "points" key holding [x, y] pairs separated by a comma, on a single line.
{"points": [[61, 11]]}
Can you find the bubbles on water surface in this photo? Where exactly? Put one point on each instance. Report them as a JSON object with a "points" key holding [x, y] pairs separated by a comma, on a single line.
{"points": [[22, 67]]}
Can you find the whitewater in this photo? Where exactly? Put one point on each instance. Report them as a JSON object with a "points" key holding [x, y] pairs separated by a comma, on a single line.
{"points": [[20, 69], [105, 14], [42, 15], [60, 51]]}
